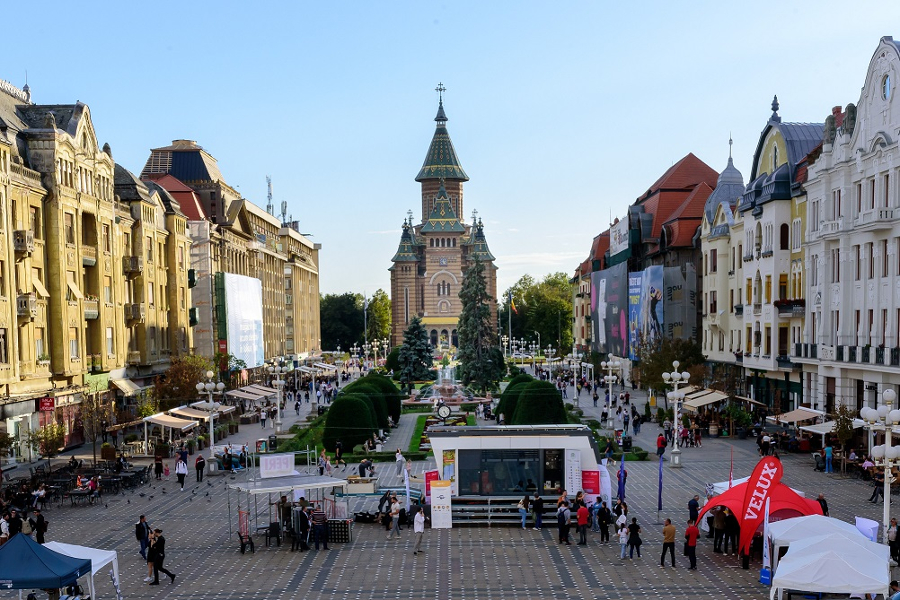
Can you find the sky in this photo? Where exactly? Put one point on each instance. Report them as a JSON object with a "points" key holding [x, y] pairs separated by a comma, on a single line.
{"points": [[562, 114]]}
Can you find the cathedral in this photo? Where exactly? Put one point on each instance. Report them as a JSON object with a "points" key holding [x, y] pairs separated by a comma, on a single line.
{"points": [[428, 268]]}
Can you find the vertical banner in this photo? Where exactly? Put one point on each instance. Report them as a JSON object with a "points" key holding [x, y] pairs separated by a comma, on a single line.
{"points": [[598, 311], [590, 483], [406, 487], [430, 476], [621, 476], [605, 484], [634, 313], [659, 494], [573, 471], [766, 476], [767, 563], [651, 313], [441, 510], [449, 470], [616, 322]]}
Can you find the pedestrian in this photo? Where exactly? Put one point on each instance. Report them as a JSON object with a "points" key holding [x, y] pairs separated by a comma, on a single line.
{"points": [[297, 407], [563, 517], [595, 515], [38, 525], [537, 505], [401, 462], [320, 526], [395, 517], [823, 504], [732, 530], [522, 507], [623, 540], [322, 461], [693, 508], [596, 397], [634, 538], [690, 544], [661, 444], [160, 545], [635, 421], [339, 454], [200, 467], [419, 529], [181, 471], [151, 556], [301, 535], [718, 529], [667, 428], [142, 534], [15, 522], [668, 543], [895, 590], [605, 518], [328, 466], [581, 517], [894, 539], [829, 456], [158, 466]]}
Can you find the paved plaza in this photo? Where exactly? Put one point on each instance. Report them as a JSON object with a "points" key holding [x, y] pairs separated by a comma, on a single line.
{"points": [[483, 563]]}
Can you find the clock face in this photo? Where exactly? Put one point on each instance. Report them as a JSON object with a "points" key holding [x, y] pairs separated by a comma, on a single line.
{"points": [[444, 411], [443, 261]]}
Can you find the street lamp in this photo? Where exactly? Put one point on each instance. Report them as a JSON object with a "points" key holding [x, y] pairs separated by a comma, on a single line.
{"points": [[610, 366], [277, 372], [676, 379], [354, 352], [210, 387], [883, 419], [505, 340], [384, 348], [534, 348], [548, 353]]}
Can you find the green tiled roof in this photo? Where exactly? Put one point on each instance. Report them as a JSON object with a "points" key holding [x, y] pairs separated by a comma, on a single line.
{"points": [[441, 161], [407, 250], [443, 218], [479, 245]]}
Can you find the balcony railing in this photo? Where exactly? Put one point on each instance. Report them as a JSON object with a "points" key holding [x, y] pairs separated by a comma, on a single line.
{"points": [[791, 308], [132, 264], [738, 357], [91, 308], [26, 306], [784, 362], [895, 357], [757, 309], [739, 310], [852, 354], [133, 357], [875, 218], [88, 255], [135, 312]]}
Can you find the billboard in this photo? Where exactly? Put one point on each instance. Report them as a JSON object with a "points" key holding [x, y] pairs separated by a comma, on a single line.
{"points": [[680, 298], [244, 318], [634, 313], [609, 309], [618, 237]]}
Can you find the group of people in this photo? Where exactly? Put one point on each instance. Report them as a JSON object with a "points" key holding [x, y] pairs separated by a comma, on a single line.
{"points": [[13, 523], [153, 550]]}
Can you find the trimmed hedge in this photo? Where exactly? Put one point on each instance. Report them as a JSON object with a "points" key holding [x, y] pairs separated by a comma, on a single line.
{"points": [[392, 395], [539, 403], [373, 394], [349, 419]]}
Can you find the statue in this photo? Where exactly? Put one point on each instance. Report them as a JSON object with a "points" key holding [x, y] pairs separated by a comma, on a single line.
{"points": [[849, 119], [49, 121], [830, 131]]}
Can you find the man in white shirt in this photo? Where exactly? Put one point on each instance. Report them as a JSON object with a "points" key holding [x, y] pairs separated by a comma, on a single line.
{"points": [[419, 529]]}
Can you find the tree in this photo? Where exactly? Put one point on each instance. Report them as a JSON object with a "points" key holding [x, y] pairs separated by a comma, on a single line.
{"points": [[48, 440], [392, 395], [480, 358], [843, 426], [96, 412], [363, 387], [349, 420], [178, 385], [392, 362], [341, 318], [416, 353], [229, 367], [510, 396], [656, 358], [540, 403], [379, 317], [543, 307]]}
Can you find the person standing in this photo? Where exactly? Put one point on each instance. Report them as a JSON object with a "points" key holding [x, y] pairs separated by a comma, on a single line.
{"points": [[634, 538], [320, 526], [522, 506], [401, 462], [693, 508], [39, 525], [823, 504], [668, 543], [15, 522], [661, 444], [829, 456], [395, 517], [605, 518], [581, 517], [199, 467], [718, 529], [160, 545], [322, 463], [142, 533], [181, 472], [895, 590], [893, 539], [623, 540], [263, 415], [158, 466], [419, 529], [537, 505], [690, 535], [563, 517], [732, 531]]}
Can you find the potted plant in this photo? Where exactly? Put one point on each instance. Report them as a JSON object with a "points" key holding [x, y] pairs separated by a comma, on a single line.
{"points": [[107, 451], [43, 359], [191, 444]]}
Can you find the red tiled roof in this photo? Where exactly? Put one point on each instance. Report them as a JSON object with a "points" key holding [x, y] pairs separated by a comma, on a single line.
{"points": [[682, 233], [692, 207], [183, 193], [600, 246], [686, 173], [670, 192]]}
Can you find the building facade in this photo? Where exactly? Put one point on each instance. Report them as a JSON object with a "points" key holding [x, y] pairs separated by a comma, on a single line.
{"points": [[850, 348], [432, 258]]}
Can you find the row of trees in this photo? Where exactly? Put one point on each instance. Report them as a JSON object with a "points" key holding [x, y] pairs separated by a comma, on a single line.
{"points": [[544, 307], [362, 408], [344, 320]]}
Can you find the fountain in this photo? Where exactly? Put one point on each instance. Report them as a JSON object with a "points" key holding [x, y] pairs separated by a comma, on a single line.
{"points": [[446, 390]]}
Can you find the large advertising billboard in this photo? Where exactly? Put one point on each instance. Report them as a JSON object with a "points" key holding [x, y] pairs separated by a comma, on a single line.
{"points": [[609, 310], [679, 296], [618, 237], [244, 318]]}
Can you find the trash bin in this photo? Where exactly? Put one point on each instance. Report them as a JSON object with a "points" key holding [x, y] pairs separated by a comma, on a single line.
{"points": [[618, 436], [626, 443], [273, 443]]}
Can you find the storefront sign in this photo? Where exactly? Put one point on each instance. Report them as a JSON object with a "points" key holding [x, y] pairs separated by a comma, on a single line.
{"points": [[46, 404], [430, 476], [441, 511], [590, 483], [276, 465], [573, 471]]}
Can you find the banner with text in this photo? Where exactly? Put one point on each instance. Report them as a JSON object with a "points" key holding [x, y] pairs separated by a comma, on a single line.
{"points": [[276, 465], [573, 471], [441, 510]]}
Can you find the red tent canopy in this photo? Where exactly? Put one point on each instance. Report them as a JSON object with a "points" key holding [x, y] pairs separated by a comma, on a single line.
{"points": [[747, 500]]}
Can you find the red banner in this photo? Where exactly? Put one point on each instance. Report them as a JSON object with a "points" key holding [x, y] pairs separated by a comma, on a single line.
{"points": [[429, 477], [590, 483], [46, 404], [765, 477]]}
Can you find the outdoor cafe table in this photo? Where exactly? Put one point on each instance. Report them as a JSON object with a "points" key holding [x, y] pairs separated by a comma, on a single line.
{"points": [[79, 496], [111, 484]]}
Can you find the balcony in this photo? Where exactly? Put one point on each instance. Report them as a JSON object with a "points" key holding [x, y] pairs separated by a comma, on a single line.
{"points": [[739, 310], [895, 357], [192, 278], [866, 355], [875, 219], [739, 357], [88, 255], [839, 353], [757, 309], [133, 357], [748, 257], [791, 308], [831, 228], [135, 312], [814, 351], [852, 354], [23, 241], [193, 317], [801, 350], [731, 273], [91, 308], [26, 306], [784, 362], [879, 355], [133, 265]]}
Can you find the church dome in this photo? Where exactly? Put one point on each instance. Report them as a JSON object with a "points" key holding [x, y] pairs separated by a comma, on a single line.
{"points": [[729, 188]]}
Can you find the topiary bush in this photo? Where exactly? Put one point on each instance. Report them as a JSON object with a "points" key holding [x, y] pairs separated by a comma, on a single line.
{"points": [[539, 403], [362, 387], [350, 420], [392, 395], [509, 399]]}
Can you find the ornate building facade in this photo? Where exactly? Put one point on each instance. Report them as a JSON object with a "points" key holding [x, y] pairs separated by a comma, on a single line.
{"points": [[428, 268]]}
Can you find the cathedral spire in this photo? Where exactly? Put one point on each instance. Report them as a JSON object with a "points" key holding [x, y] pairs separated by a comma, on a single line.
{"points": [[441, 160]]}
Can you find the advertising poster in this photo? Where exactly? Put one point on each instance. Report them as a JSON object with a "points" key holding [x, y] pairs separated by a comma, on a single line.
{"points": [[634, 313], [243, 317], [590, 483], [441, 510], [276, 465], [616, 321], [573, 471], [430, 476], [605, 484], [618, 237], [679, 297], [650, 320], [449, 470], [598, 310]]}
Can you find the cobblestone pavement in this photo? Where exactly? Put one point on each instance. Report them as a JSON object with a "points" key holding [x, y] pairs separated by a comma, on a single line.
{"points": [[494, 563]]}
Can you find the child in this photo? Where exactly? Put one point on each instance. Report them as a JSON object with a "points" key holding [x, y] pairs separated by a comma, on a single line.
{"points": [[623, 539], [166, 471]]}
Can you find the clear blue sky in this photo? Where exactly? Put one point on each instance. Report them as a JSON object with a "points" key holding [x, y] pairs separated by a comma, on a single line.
{"points": [[561, 113]]}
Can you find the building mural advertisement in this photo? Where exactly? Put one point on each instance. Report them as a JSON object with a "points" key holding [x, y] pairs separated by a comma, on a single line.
{"points": [[618, 237], [635, 281], [680, 302], [244, 318], [609, 300]]}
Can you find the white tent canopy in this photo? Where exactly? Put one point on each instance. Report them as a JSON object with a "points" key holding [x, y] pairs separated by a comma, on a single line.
{"points": [[789, 531], [796, 415], [704, 399], [212, 407], [835, 564], [828, 426], [166, 422], [243, 395], [190, 413], [284, 484], [99, 559]]}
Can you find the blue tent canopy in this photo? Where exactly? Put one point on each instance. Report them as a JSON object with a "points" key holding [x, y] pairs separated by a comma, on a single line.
{"points": [[25, 564]]}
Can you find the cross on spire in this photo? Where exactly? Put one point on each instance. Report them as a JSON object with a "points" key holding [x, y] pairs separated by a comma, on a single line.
{"points": [[730, 142], [440, 89], [409, 213], [474, 215]]}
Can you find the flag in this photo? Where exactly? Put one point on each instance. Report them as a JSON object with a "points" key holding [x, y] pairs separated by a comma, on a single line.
{"points": [[766, 560], [659, 496], [366, 303], [512, 304], [731, 472], [622, 475]]}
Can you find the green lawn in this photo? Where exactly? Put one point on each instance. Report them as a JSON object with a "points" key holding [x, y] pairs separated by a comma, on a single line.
{"points": [[417, 433]]}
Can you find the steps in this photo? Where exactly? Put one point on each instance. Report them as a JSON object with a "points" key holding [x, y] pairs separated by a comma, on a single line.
{"points": [[494, 511]]}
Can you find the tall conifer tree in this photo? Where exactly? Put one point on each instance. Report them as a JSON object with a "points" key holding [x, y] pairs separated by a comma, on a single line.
{"points": [[481, 361]]}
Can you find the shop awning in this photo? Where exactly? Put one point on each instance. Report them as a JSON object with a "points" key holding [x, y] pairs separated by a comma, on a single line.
{"points": [[325, 366], [828, 427], [796, 415], [212, 407], [750, 400], [259, 389], [711, 397], [309, 370], [242, 395], [171, 422], [126, 386], [189, 413], [75, 291], [291, 482], [39, 288]]}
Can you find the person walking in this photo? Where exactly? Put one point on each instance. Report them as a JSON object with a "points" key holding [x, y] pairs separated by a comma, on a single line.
{"points": [[893, 539], [522, 506], [160, 545], [634, 538], [537, 505], [581, 517], [151, 556], [158, 466], [39, 525], [718, 529], [661, 444], [320, 526], [395, 517], [142, 533], [604, 516], [563, 518], [693, 508], [263, 415], [419, 529], [401, 462], [829, 456], [732, 530], [181, 471], [823, 503], [301, 534], [623, 540], [200, 467], [668, 543], [690, 545]]}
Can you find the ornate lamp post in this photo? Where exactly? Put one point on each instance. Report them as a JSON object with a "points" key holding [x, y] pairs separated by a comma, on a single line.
{"points": [[210, 387], [611, 366], [366, 348], [883, 419], [278, 382], [504, 339], [354, 352], [677, 397], [548, 354], [384, 348], [533, 348]]}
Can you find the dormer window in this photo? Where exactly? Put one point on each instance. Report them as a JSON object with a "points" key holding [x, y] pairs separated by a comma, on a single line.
{"points": [[886, 87]]}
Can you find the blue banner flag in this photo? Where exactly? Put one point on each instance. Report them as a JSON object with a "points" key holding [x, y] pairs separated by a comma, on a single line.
{"points": [[659, 497], [623, 474]]}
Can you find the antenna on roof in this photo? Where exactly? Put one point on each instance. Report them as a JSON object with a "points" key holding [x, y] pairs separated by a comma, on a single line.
{"points": [[269, 208], [730, 142]]}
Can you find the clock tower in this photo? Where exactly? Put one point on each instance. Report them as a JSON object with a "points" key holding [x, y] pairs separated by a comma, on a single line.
{"points": [[433, 255]]}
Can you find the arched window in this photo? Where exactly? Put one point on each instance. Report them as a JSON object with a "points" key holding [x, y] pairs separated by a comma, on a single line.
{"points": [[431, 242], [439, 286], [443, 241], [758, 239], [785, 236], [454, 245], [434, 338]]}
